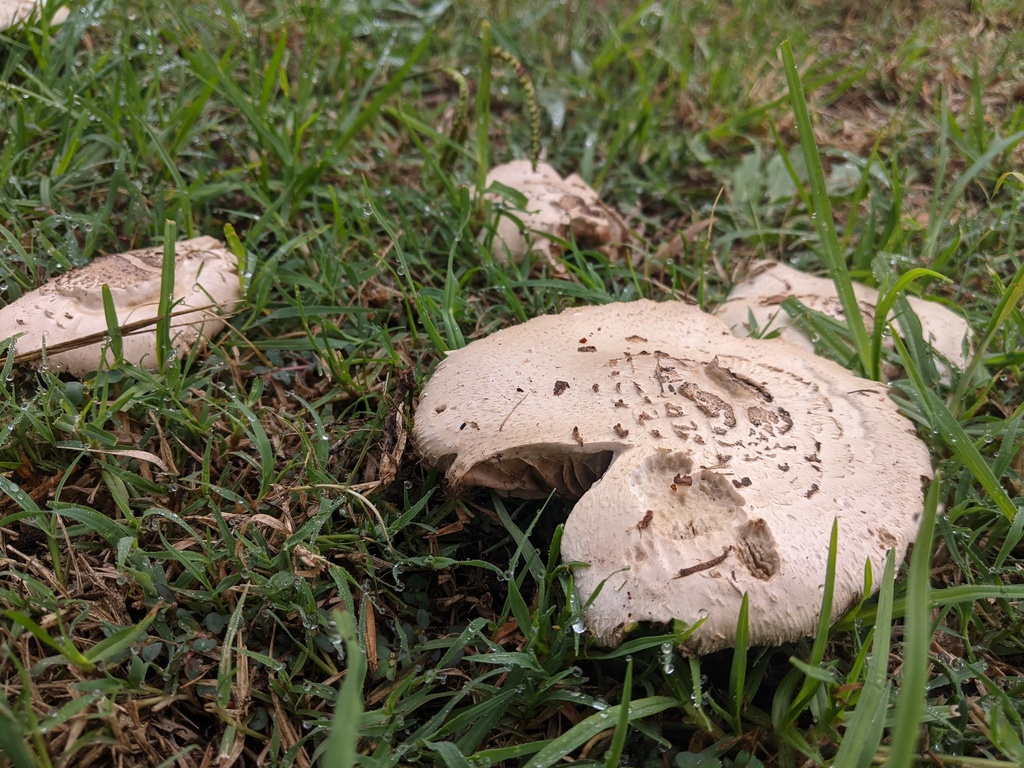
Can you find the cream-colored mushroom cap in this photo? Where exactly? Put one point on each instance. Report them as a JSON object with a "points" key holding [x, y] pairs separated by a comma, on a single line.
{"points": [[13, 11], [706, 466], [70, 307], [564, 209], [769, 283]]}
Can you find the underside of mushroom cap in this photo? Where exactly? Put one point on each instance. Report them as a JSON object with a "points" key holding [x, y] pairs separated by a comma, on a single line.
{"points": [[70, 307], [706, 466]]}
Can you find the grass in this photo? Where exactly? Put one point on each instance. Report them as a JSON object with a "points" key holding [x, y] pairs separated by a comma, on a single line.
{"points": [[240, 560]]}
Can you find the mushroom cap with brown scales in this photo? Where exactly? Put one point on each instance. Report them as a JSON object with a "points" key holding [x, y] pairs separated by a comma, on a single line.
{"points": [[70, 307], [556, 209], [768, 283], [705, 466]]}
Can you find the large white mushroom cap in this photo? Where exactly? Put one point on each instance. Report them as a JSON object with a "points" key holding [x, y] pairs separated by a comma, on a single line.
{"points": [[70, 307], [706, 466], [769, 283]]}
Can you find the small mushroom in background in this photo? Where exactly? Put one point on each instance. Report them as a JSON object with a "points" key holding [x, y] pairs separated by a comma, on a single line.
{"points": [[769, 283], [556, 209], [706, 466], [13, 11], [69, 308]]}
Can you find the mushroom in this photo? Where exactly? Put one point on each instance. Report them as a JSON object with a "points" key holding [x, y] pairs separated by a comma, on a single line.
{"points": [[706, 466], [69, 308], [769, 283], [13, 11], [556, 209]]}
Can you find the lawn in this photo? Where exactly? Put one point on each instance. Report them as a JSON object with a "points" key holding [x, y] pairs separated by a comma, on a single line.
{"points": [[241, 559]]}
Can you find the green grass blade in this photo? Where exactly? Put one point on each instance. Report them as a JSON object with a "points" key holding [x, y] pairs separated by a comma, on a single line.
{"points": [[941, 218], [888, 299], [483, 109], [121, 640], [821, 212], [14, 747], [421, 311], [224, 666], [358, 121], [738, 672], [864, 734], [113, 326], [339, 748], [614, 754], [238, 251], [164, 350], [453, 332], [66, 648], [1008, 304], [811, 682], [584, 731], [271, 73], [449, 753], [906, 730], [954, 436]]}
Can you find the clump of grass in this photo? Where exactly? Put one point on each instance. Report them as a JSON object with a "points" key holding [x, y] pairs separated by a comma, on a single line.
{"points": [[240, 559]]}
